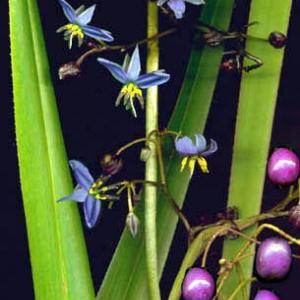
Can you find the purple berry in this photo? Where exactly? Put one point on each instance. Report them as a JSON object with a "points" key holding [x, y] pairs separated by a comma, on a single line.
{"points": [[198, 284], [273, 258], [277, 39], [265, 295], [283, 166]]}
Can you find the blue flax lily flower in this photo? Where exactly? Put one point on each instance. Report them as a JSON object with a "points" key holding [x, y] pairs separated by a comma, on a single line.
{"points": [[133, 82], [195, 151], [78, 26], [178, 6], [88, 192]]}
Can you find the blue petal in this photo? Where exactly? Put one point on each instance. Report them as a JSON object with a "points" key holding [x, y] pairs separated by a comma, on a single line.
{"points": [[78, 195], [86, 16], [161, 2], [134, 67], [185, 146], [152, 79], [178, 7], [91, 210], [115, 69], [200, 142], [68, 11], [212, 148], [97, 33], [81, 174], [195, 2]]}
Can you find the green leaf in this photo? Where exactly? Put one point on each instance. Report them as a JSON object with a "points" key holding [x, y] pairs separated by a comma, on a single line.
{"points": [[254, 122], [57, 249], [126, 277]]}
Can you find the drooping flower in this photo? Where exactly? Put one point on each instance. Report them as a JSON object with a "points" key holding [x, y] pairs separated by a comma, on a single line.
{"points": [[133, 82], [178, 6], [195, 151], [78, 24], [88, 192]]}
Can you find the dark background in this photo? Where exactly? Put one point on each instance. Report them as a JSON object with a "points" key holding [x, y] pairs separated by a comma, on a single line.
{"points": [[92, 126]]}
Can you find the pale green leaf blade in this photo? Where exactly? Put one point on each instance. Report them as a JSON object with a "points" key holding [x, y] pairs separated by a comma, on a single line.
{"points": [[254, 121], [57, 249], [128, 268]]}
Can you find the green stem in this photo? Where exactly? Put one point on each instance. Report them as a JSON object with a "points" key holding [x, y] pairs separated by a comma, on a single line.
{"points": [[151, 164]]}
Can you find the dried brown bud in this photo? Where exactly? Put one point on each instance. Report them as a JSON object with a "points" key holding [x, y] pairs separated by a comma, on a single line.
{"points": [[277, 39], [69, 69], [229, 65], [132, 223], [294, 216], [110, 164]]}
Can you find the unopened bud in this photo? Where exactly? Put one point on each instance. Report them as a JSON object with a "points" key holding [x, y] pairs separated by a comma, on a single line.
{"points": [[132, 223], [145, 153], [277, 39], [294, 216], [111, 164], [70, 69]]}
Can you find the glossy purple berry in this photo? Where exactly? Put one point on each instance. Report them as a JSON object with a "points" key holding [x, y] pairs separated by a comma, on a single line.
{"points": [[273, 258], [283, 166], [265, 295], [198, 284]]}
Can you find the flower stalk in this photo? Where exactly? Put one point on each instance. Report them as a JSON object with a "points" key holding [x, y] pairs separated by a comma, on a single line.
{"points": [[151, 164]]}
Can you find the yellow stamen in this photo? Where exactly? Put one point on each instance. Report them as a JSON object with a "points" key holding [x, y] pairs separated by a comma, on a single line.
{"points": [[192, 162], [132, 90], [203, 164], [183, 163], [75, 30]]}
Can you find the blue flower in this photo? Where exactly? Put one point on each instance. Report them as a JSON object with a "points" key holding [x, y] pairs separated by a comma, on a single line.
{"points": [[178, 6], [88, 192], [195, 151], [78, 24], [133, 82]]}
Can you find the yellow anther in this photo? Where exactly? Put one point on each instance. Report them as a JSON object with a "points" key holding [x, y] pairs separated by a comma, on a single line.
{"points": [[183, 163], [75, 30], [203, 164], [192, 162], [131, 89]]}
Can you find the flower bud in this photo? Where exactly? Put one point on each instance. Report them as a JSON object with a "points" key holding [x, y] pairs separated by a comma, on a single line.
{"points": [[145, 153], [110, 164], [277, 39], [294, 216], [70, 69], [132, 223]]}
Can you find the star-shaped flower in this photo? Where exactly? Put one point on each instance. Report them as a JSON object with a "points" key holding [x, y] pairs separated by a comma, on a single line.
{"points": [[178, 6], [133, 82], [195, 151], [78, 24], [89, 192]]}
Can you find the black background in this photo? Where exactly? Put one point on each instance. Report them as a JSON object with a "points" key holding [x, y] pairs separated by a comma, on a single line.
{"points": [[92, 126]]}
